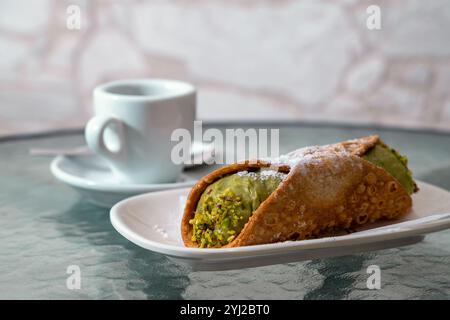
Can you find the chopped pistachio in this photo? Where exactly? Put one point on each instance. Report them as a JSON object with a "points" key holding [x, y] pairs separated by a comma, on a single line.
{"points": [[226, 205]]}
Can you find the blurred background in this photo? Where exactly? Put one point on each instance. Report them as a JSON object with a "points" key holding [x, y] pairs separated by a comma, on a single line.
{"points": [[251, 60]]}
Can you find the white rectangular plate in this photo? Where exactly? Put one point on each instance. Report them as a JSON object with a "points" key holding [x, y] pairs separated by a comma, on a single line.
{"points": [[152, 221]]}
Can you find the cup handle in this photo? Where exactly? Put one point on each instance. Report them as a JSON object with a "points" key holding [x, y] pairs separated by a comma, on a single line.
{"points": [[94, 135]]}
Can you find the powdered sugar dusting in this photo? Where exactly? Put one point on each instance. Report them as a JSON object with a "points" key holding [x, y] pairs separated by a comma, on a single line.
{"points": [[263, 174], [160, 230], [308, 153], [310, 156]]}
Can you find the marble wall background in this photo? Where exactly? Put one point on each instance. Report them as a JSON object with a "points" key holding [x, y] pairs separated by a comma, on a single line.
{"points": [[251, 59]]}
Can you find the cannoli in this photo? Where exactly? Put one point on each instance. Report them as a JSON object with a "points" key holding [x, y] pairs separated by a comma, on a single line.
{"points": [[308, 193]]}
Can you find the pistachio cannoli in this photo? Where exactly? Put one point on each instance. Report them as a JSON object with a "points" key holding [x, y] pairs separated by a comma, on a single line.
{"points": [[305, 194]]}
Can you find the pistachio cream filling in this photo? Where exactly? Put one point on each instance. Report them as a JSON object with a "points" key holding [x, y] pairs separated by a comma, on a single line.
{"points": [[393, 162], [226, 205]]}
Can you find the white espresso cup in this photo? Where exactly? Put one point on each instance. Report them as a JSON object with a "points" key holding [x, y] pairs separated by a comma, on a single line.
{"points": [[133, 124]]}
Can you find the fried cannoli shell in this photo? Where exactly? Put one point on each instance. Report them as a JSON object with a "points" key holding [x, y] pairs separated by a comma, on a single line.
{"points": [[328, 188]]}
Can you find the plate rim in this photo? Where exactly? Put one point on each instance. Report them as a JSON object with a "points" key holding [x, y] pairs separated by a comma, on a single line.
{"points": [[266, 249]]}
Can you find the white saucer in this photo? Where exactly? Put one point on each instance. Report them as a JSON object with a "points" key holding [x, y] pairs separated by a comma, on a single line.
{"points": [[92, 178], [158, 230]]}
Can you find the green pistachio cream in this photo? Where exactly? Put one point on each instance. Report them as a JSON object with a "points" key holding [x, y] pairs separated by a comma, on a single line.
{"points": [[226, 205], [393, 162]]}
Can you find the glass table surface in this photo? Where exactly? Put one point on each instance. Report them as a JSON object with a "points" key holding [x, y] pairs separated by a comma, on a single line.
{"points": [[46, 227]]}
